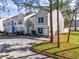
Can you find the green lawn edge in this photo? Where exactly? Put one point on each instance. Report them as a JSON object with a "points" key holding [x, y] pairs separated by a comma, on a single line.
{"points": [[48, 54], [43, 53]]}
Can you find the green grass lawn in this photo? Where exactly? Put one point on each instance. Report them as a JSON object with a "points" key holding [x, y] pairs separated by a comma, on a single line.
{"points": [[74, 38], [66, 51]]}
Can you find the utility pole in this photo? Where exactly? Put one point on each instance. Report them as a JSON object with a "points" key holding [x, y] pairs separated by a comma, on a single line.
{"points": [[58, 34], [51, 22]]}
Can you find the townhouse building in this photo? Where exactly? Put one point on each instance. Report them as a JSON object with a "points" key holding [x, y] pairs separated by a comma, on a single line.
{"points": [[38, 22], [7, 25]]}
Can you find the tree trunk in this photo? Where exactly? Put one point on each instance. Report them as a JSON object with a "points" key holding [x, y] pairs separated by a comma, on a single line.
{"points": [[70, 26], [58, 37], [75, 21], [51, 23]]}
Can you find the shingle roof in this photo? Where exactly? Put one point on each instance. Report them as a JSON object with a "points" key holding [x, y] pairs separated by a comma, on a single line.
{"points": [[30, 15], [23, 15]]}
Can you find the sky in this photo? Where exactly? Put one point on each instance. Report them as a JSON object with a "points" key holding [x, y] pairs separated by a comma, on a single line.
{"points": [[13, 9]]}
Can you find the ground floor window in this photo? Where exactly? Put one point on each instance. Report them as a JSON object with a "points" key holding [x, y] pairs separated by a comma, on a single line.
{"points": [[20, 32], [40, 30]]}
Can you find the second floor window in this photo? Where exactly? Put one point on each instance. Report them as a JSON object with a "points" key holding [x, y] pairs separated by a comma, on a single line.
{"points": [[20, 22], [40, 20]]}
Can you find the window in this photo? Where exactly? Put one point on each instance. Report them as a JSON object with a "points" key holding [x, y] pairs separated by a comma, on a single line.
{"points": [[15, 23], [4, 24], [8, 23], [40, 20], [19, 21], [40, 30], [13, 28]]}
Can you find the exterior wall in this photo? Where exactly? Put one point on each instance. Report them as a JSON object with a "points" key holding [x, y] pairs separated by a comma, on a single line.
{"points": [[11, 25], [1, 24], [45, 30], [8, 25], [73, 25], [46, 24], [31, 18], [14, 26], [73, 28], [19, 27], [43, 25], [41, 14], [61, 22]]}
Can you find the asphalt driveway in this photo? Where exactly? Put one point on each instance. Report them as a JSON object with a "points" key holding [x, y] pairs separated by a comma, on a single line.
{"points": [[19, 48]]}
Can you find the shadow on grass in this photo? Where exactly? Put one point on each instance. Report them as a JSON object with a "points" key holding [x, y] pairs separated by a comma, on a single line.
{"points": [[63, 51], [55, 53], [49, 48], [66, 50]]}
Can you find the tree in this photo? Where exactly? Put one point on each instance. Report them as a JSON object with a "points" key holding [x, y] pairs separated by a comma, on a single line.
{"points": [[70, 26], [75, 17], [29, 24], [58, 23], [51, 22], [3, 7], [75, 21], [74, 11]]}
